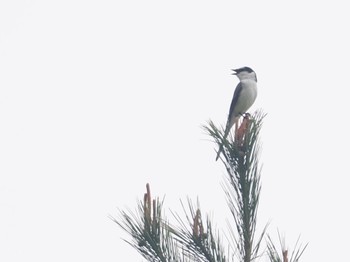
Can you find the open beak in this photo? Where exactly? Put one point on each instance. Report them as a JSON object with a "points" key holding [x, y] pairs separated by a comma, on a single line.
{"points": [[234, 72]]}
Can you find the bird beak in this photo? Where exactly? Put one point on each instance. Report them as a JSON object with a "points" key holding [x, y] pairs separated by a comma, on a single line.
{"points": [[235, 72]]}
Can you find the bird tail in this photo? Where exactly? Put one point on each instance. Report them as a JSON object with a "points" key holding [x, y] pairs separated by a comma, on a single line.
{"points": [[227, 130], [219, 152], [229, 125]]}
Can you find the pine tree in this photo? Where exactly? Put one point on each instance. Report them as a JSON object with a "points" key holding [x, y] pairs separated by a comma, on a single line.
{"points": [[194, 238]]}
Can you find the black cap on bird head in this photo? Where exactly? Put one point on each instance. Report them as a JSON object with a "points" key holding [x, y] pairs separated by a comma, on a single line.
{"points": [[242, 69]]}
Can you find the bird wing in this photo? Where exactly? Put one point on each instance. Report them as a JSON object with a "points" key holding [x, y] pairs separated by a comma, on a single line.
{"points": [[232, 114]]}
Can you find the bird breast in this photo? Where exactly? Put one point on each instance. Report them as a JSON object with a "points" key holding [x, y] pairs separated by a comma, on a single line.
{"points": [[248, 95]]}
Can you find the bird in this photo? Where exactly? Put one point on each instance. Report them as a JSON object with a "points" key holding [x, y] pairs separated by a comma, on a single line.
{"points": [[243, 98]]}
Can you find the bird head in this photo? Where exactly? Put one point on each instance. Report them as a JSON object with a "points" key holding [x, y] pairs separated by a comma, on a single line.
{"points": [[245, 73]]}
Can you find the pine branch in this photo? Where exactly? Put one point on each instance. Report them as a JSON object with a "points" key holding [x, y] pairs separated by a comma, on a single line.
{"points": [[150, 233], [198, 239], [242, 187], [276, 256], [158, 241], [194, 239]]}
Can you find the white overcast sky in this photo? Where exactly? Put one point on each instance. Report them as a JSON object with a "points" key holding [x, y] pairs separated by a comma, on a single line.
{"points": [[97, 98]]}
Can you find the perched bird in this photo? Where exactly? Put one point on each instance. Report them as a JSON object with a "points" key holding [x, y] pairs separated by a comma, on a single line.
{"points": [[243, 98]]}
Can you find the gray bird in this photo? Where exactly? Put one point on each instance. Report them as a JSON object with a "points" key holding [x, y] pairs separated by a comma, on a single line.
{"points": [[243, 98]]}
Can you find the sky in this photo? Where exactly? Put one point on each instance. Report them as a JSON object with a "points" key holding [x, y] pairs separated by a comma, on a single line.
{"points": [[98, 98]]}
